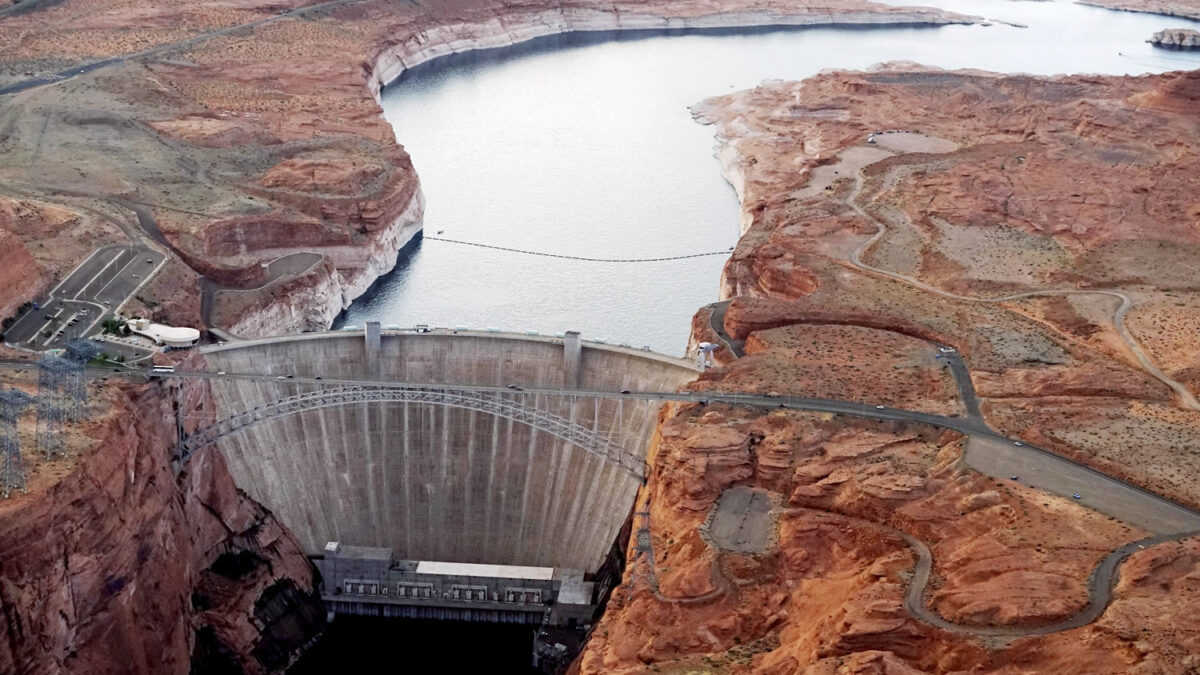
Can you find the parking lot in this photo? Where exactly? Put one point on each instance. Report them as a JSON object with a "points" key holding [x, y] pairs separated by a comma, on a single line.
{"points": [[77, 306]]}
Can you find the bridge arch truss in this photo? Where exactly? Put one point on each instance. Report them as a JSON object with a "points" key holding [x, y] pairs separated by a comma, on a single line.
{"points": [[493, 403]]}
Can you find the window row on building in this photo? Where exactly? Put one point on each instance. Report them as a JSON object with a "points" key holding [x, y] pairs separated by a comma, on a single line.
{"points": [[420, 591]]}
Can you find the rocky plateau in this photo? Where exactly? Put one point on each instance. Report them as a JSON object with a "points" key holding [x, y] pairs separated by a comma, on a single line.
{"points": [[1046, 228], [1176, 38], [250, 144], [1188, 9], [883, 212]]}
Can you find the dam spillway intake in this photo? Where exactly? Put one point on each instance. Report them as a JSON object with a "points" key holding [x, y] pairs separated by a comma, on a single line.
{"points": [[490, 486]]}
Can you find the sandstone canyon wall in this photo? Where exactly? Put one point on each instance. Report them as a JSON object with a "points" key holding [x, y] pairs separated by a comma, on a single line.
{"points": [[1177, 38], [122, 567], [1046, 228], [254, 144], [20, 278], [250, 145]]}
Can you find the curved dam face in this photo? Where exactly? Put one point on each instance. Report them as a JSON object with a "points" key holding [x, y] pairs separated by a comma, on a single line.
{"points": [[438, 481]]}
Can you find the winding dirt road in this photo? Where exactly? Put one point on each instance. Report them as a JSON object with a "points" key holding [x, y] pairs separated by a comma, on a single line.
{"points": [[1185, 397], [1100, 583], [1104, 576]]}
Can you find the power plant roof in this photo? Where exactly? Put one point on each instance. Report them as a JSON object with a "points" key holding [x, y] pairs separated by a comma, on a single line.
{"points": [[480, 570]]}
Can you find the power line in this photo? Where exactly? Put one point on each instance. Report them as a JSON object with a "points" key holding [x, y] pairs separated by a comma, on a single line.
{"points": [[576, 257], [61, 398], [12, 468]]}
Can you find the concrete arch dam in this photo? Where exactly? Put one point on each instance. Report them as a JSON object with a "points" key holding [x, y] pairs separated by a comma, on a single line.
{"points": [[510, 478]]}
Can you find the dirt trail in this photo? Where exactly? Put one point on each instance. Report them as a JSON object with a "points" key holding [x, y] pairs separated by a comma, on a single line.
{"points": [[1100, 583], [1184, 396]]}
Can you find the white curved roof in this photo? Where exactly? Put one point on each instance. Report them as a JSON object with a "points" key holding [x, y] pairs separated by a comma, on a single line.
{"points": [[174, 333]]}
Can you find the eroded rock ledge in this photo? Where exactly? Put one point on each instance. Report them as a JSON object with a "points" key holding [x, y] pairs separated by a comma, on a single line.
{"points": [[1177, 38], [271, 141], [122, 568], [244, 148], [985, 186], [1183, 8]]}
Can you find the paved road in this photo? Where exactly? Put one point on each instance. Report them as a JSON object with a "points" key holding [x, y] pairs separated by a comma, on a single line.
{"points": [[988, 451], [716, 321], [56, 77], [1052, 473], [1100, 584], [1185, 396], [286, 266], [76, 307], [995, 454], [164, 48], [962, 378]]}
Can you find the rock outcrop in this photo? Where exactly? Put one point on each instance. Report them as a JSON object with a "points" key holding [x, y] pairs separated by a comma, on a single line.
{"points": [[1183, 8], [1176, 38], [831, 584], [20, 277], [883, 211], [272, 139], [121, 567]]}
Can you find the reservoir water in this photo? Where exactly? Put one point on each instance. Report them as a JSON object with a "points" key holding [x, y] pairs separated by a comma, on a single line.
{"points": [[583, 145]]}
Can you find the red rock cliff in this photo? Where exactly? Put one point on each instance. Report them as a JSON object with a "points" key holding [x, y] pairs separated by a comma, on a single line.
{"points": [[123, 568], [20, 277]]}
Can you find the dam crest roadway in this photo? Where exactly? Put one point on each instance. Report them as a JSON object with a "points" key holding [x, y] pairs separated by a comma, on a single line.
{"points": [[438, 445], [506, 449]]}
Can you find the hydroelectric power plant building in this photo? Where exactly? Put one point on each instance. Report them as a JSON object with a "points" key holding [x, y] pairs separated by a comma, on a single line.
{"points": [[452, 474], [370, 581]]}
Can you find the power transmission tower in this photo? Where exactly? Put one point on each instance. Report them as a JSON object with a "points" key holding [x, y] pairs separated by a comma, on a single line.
{"points": [[12, 470], [61, 391], [80, 352]]}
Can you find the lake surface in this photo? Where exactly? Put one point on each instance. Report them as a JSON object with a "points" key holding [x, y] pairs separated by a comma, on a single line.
{"points": [[583, 145]]}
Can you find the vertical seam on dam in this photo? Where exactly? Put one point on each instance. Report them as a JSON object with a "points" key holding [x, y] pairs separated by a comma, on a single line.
{"points": [[429, 477]]}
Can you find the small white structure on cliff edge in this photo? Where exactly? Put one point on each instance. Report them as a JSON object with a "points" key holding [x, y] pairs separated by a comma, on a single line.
{"points": [[170, 336]]}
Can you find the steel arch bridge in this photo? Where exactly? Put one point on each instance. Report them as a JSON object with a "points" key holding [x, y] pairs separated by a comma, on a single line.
{"points": [[489, 402]]}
